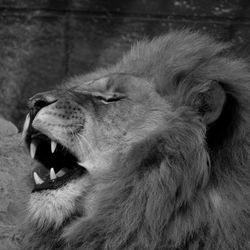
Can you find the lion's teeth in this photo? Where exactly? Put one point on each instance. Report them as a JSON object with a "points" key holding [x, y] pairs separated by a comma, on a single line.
{"points": [[53, 146], [52, 174], [81, 164], [33, 147], [37, 179], [60, 173], [26, 123]]}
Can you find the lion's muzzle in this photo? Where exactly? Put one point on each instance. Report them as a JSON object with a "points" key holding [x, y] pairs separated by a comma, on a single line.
{"points": [[51, 123]]}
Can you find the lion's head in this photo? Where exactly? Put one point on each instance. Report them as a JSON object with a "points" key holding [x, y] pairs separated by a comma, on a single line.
{"points": [[149, 154]]}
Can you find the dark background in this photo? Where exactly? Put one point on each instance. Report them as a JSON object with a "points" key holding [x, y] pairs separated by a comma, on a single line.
{"points": [[43, 42]]}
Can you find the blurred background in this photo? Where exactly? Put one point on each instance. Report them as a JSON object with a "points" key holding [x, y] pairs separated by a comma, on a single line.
{"points": [[43, 42]]}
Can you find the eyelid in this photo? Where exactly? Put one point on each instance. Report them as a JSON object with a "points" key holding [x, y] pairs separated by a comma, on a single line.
{"points": [[110, 99]]}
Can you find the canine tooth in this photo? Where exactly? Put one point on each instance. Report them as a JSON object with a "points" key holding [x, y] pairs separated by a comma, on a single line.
{"points": [[26, 123], [81, 164], [52, 174], [37, 179], [60, 173], [53, 146], [33, 147]]}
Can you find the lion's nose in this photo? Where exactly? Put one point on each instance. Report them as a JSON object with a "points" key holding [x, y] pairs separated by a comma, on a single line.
{"points": [[39, 101]]}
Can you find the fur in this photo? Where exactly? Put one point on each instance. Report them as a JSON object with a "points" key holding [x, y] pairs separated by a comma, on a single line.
{"points": [[185, 185], [46, 209]]}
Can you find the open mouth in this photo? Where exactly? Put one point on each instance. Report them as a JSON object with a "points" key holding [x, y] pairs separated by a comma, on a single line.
{"points": [[58, 166]]}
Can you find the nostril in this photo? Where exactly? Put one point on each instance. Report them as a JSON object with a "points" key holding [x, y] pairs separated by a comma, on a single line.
{"points": [[40, 101]]}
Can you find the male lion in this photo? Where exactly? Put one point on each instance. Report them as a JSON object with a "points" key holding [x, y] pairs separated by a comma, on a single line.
{"points": [[152, 153]]}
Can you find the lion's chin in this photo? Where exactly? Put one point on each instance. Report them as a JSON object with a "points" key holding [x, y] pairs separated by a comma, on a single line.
{"points": [[51, 208]]}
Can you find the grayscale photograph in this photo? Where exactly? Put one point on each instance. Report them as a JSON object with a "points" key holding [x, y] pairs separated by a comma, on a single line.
{"points": [[124, 125]]}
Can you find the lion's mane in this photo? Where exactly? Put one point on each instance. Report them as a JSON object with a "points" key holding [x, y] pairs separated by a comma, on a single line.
{"points": [[186, 186]]}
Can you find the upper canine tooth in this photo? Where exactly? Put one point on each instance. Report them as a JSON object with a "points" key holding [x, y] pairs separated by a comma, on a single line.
{"points": [[53, 146], [37, 179], [81, 164], [33, 147], [52, 174], [26, 123]]}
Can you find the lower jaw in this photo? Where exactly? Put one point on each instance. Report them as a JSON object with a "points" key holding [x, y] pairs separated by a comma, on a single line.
{"points": [[61, 181], [50, 209]]}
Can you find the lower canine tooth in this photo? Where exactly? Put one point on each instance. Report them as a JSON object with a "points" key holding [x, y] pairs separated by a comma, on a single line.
{"points": [[37, 179], [52, 174]]}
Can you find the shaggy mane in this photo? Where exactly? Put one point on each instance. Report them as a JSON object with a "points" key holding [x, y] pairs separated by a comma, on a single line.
{"points": [[187, 185]]}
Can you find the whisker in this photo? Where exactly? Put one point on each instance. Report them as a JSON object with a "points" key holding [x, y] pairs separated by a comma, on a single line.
{"points": [[89, 147], [86, 141]]}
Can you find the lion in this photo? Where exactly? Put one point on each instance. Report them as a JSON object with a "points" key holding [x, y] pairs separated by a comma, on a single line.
{"points": [[151, 153]]}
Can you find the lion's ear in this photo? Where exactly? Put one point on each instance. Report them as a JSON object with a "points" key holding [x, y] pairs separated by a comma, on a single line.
{"points": [[207, 100], [209, 103]]}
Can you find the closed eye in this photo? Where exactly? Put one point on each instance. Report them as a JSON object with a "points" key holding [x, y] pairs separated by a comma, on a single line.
{"points": [[110, 99], [106, 98]]}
